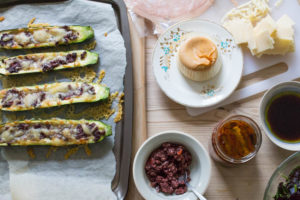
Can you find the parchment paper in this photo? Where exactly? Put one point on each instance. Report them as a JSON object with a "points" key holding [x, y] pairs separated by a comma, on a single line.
{"points": [[80, 177]]}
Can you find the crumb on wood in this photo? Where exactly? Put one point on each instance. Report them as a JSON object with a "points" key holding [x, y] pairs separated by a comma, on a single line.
{"points": [[70, 152], [87, 150], [120, 108], [2, 18], [30, 152]]}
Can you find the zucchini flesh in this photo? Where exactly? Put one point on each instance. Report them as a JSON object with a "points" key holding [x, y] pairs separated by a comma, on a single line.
{"points": [[55, 132], [50, 95], [28, 38], [43, 62]]}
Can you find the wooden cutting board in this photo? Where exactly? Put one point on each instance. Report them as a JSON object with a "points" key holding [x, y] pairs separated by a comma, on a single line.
{"points": [[139, 134], [241, 183]]}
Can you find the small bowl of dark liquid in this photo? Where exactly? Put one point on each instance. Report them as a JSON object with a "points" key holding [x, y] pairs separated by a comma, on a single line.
{"points": [[280, 115]]}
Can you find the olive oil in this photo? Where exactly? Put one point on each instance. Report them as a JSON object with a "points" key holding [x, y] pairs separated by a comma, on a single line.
{"points": [[283, 116]]}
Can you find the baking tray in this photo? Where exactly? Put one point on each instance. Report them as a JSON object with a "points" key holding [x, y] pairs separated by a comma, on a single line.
{"points": [[123, 131]]}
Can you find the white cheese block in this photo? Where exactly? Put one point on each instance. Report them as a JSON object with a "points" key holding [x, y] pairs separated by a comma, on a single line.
{"points": [[284, 37], [286, 33], [285, 20], [285, 28], [260, 43], [240, 30], [268, 36], [266, 24], [252, 45], [281, 47]]}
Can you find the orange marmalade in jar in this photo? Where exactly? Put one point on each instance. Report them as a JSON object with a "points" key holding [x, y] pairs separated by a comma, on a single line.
{"points": [[235, 140]]}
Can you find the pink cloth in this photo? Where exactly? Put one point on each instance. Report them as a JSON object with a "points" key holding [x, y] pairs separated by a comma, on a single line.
{"points": [[165, 10]]}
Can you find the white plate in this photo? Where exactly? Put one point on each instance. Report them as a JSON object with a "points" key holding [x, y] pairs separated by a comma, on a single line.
{"points": [[192, 93]]}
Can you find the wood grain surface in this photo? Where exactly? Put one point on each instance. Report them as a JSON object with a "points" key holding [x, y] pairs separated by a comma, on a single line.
{"points": [[245, 182], [139, 134]]}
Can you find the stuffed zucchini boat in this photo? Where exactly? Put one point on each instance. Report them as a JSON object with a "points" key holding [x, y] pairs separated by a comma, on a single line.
{"points": [[55, 132], [43, 62], [28, 38], [50, 95]]}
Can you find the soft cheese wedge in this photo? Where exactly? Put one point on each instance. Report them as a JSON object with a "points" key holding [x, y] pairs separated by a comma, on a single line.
{"points": [[50, 95], [28, 38], [54, 132], [198, 58], [43, 62]]}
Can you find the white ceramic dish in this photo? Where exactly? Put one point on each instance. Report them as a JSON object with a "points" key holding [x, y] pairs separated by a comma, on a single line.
{"points": [[193, 93], [292, 86], [200, 167]]}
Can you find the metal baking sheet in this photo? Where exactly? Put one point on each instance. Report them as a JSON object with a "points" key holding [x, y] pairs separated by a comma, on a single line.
{"points": [[123, 131]]}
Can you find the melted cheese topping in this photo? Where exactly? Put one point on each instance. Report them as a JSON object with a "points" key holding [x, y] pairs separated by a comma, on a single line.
{"points": [[43, 62], [46, 132], [198, 53], [21, 38], [47, 95], [40, 36], [34, 37]]}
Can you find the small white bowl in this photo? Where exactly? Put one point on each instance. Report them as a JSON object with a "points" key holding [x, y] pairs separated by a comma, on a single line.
{"points": [[200, 167], [279, 88]]}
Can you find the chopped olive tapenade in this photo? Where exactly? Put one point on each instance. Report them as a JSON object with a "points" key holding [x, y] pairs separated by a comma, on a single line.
{"points": [[43, 62], [28, 38], [49, 95], [56, 132]]}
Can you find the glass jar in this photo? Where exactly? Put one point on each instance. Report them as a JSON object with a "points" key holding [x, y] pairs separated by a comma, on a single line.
{"points": [[235, 140]]}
